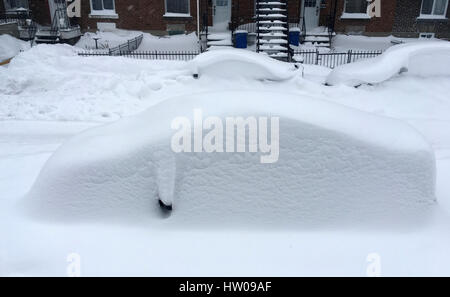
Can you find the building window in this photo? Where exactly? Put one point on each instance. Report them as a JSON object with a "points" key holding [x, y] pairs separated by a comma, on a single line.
{"points": [[15, 4], [434, 8], [356, 6], [177, 8], [103, 8]]}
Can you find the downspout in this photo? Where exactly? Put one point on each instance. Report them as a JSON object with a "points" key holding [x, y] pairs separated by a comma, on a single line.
{"points": [[198, 23]]}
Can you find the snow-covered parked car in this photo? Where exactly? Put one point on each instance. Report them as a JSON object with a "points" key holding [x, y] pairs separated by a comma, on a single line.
{"points": [[419, 58], [237, 63], [328, 165]]}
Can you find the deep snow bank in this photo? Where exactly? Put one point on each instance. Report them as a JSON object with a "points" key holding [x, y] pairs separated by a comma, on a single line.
{"points": [[237, 63], [10, 46], [336, 166], [421, 58], [51, 82]]}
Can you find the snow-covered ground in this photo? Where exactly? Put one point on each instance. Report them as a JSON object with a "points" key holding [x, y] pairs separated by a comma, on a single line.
{"points": [[49, 94], [343, 43], [110, 39]]}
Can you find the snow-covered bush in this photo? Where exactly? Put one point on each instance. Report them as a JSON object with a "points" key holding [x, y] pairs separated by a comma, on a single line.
{"points": [[421, 58], [335, 166]]}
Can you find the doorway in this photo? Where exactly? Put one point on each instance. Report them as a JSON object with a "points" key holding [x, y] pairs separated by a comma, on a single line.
{"points": [[221, 14], [312, 13]]}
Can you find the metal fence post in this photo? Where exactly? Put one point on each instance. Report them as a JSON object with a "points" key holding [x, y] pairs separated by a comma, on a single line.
{"points": [[317, 56], [349, 56]]}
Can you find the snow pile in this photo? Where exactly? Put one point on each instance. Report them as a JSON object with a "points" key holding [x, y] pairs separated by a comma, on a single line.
{"points": [[51, 82], [181, 42], [106, 39], [329, 170], [423, 59], [343, 43], [237, 63], [11, 46], [109, 39]]}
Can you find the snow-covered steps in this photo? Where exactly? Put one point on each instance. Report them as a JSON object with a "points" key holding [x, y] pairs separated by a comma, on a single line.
{"points": [[47, 35], [272, 34], [272, 28], [320, 37], [222, 39], [271, 16]]}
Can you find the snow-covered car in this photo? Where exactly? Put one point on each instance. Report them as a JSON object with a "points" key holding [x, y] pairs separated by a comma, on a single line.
{"points": [[419, 58], [334, 165]]}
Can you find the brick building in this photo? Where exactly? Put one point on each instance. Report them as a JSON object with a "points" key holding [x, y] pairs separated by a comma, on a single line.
{"points": [[402, 18], [409, 18]]}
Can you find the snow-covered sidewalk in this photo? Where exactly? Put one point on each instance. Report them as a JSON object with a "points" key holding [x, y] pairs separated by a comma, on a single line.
{"points": [[113, 38]]}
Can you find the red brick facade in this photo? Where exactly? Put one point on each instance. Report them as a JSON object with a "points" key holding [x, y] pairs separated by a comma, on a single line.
{"points": [[374, 26], [398, 17], [143, 15], [40, 11]]}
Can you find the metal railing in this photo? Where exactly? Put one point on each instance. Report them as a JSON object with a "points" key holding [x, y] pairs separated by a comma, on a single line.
{"points": [[332, 59], [24, 21], [127, 47], [147, 55], [329, 59], [19, 17]]}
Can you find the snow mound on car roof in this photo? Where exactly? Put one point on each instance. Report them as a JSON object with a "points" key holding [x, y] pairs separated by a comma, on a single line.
{"points": [[335, 166], [421, 58], [237, 63]]}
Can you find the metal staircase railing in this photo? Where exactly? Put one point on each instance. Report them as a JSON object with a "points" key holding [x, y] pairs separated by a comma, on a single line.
{"points": [[24, 21]]}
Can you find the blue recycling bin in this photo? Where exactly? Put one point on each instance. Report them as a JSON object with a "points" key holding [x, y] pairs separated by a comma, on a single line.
{"points": [[294, 36], [241, 38]]}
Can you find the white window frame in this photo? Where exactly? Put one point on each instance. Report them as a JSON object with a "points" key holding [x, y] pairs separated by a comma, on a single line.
{"points": [[354, 15], [104, 13], [175, 14], [433, 16]]}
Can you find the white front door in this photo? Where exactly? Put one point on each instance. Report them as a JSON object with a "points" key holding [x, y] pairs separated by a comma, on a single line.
{"points": [[221, 14], [312, 12]]}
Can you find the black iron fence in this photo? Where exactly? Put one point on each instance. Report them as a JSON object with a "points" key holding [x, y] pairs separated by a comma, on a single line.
{"points": [[332, 59], [127, 47], [27, 27], [19, 17], [327, 59], [148, 55]]}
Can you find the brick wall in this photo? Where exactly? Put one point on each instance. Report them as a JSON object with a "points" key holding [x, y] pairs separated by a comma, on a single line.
{"points": [[244, 10], [40, 11], [406, 23], [143, 15], [294, 10], [376, 26]]}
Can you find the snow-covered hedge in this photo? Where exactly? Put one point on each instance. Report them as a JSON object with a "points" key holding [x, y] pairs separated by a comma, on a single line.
{"points": [[335, 166], [421, 58]]}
